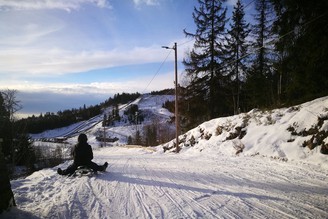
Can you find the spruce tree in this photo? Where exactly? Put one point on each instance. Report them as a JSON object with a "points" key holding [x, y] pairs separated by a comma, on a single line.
{"points": [[260, 77], [5, 127], [138, 138], [236, 53], [203, 62], [302, 27], [7, 197]]}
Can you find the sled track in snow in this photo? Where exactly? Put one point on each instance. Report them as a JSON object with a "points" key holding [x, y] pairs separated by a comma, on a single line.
{"points": [[138, 184]]}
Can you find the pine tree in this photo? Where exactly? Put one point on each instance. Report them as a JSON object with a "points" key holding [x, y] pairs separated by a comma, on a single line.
{"points": [[5, 127], [104, 122], [302, 27], [24, 151], [7, 197], [205, 59], [236, 51], [117, 113], [260, 76], [150, 135], [130, 140], [138, 138]]}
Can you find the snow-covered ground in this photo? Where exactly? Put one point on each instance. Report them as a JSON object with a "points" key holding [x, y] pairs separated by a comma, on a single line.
{"points": [[142, 184], [252, 165]]}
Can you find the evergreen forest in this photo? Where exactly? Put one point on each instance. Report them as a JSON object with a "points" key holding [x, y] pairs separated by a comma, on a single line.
{"points": [[277, 59]]}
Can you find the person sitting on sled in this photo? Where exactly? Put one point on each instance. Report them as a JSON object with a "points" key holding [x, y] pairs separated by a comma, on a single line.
{"points": [[82, 154]]}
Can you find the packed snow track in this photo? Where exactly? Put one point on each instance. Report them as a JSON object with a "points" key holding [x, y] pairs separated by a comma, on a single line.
{"points": [[140, 183]]}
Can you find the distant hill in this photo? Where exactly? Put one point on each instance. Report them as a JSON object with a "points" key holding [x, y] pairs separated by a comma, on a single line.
{"points": [[126, 124]]}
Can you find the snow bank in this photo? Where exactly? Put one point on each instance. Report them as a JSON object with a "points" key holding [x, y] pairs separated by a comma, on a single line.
{"points": [[287, 134]]}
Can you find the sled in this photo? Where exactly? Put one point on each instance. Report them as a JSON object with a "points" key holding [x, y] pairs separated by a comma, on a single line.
{"points": [[83, 171]]}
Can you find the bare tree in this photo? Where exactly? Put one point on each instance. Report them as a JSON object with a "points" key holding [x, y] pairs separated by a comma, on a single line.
{"points": [[11, 103]]}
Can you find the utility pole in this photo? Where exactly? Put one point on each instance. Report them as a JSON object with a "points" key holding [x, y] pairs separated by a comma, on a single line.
{"points": [[104, 139], [175, 48], [136, 118]]}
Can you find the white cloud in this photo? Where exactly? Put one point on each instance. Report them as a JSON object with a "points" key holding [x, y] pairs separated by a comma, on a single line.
{"points": [[146, 2], [232, 2], [56, 61], [52, 97], [59, 61], [141, 84], [25, 34], [50, 4]]}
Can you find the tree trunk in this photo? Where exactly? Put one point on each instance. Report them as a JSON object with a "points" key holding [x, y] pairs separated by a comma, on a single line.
{"points": [[7, 197]]}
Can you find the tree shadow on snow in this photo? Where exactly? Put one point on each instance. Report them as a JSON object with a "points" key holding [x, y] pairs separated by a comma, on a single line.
{"points": [[117, 176], [15, 213]]}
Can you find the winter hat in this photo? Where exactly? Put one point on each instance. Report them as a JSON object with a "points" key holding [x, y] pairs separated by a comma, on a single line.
{"points": [[82, 138]]}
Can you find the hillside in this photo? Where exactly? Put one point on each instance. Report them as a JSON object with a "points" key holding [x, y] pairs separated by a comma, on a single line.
{"points": [[149, 105], [253, 165], [298, 133]]}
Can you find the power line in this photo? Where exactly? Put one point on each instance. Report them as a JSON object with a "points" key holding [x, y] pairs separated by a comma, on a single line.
{"points": [[181, 44], [160, 67], [249, 4]]}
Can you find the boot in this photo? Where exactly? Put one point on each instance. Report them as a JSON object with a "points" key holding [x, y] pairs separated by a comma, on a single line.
{"points": [[105, 166], [60, 171]]}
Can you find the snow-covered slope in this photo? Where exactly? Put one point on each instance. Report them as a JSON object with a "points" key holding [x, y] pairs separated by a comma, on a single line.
{"points": [[150, 105], [286, 134], [252, 165], [142, 184]]}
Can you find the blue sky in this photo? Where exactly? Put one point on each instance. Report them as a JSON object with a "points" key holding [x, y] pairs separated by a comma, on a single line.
{"points": [[61, 54]]}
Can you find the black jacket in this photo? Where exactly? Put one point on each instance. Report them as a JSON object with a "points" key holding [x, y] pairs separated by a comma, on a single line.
{"points": [[82, 154]]}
